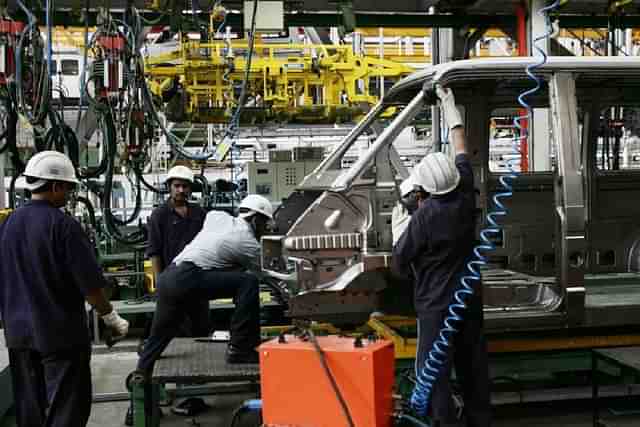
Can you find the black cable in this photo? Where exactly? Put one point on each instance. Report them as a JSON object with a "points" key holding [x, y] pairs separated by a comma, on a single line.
{"points": [[84, 62], [281, 292], [136, 210], [235, 419], [4, 135], [138, 238], [16, 160], [146, 183], [90, 209], [334, 385], [413, 420], [5, 146], [12, 190]]}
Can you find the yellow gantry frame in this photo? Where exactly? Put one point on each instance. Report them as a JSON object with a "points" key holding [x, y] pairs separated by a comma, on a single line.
{"points": [[294, 82]]}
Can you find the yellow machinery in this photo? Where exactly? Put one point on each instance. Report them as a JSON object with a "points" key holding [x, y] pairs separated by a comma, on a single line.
{"points": [[287, 82]]}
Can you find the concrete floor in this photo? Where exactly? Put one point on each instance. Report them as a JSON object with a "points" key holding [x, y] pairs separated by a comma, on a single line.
{"points": [[110, 369]]}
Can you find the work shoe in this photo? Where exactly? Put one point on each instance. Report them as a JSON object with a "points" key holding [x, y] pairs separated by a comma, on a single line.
{"points": [[236, 355], [190, 407]]}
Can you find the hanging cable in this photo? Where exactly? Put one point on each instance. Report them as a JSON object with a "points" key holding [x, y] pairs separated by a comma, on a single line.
{"points": [[36, 112], [177, 143], [439, 353], [137, 239], [49, 7], [84, 63]]}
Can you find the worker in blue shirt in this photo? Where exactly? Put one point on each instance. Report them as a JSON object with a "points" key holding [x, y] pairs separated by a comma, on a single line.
{"points": [[48, 270], [223, 261], [171, 227], [434, 245]]}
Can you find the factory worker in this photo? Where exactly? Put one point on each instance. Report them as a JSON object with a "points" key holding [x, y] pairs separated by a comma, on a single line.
{"points": [[171, 227], [48, 269], [434, 249], [221, 262]]}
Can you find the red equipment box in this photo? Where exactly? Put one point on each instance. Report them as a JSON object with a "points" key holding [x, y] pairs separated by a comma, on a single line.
{"points": [[296, 391]]}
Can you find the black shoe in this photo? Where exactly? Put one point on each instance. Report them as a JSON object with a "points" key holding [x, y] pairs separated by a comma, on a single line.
{"points": [[190, 407], [128, 419], [236, 355]]}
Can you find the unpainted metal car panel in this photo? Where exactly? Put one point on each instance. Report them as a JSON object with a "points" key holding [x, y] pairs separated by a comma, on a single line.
{"points": [[530, 289]]}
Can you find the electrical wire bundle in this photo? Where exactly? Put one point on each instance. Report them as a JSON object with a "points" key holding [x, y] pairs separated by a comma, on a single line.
{"points": [[439, 353], [32, 77]]}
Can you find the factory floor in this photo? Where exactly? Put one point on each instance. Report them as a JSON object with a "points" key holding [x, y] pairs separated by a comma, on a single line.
{"points": [[110, 369]]}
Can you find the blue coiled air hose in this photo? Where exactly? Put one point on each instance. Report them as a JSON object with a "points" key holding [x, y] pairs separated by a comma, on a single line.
{"points": [[437, 357]]}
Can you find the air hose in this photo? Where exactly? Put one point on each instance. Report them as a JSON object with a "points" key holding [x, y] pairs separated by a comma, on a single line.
{"points": [[437, 357]]}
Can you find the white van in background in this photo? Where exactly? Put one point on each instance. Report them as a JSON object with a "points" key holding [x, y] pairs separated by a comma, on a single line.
{"points": [[66, 71]]}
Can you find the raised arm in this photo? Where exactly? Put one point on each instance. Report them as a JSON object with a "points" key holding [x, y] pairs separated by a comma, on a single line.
{"points": [[453, 119]]}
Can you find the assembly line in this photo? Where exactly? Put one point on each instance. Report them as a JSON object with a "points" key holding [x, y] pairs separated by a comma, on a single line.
{"points": [[319, 214]]}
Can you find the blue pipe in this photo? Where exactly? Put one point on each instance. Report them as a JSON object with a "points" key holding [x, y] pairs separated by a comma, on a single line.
{"points": [[426, 378]]}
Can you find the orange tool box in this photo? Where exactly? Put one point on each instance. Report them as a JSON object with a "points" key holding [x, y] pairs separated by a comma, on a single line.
{"points": [[296, 391]]}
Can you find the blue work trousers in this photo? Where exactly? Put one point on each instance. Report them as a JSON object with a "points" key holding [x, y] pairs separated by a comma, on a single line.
{"points": [[179, 286], [469, 357], [51, 390]]}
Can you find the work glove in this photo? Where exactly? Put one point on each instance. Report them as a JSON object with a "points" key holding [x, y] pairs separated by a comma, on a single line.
{"points": [[117, 323], [448, 106], [399, 222]]}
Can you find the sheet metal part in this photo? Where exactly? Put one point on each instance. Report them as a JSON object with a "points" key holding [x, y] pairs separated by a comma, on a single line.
{"points": [[546, 232]]}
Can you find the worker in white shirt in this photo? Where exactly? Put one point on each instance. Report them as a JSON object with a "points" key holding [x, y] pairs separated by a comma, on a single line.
{"points": [[222, 261]]}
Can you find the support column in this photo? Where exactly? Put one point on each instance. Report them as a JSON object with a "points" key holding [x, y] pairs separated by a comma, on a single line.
{"points": [[523, 50], [540, 124]]}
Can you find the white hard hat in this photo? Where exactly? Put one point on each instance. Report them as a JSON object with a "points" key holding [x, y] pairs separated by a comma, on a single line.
{"points": [[180, 172], [255, 203], [437, 174], [407, 186], [49, 166]]}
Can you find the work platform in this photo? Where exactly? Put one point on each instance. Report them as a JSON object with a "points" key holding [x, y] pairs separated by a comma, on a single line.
{"points": [[190, 362]]}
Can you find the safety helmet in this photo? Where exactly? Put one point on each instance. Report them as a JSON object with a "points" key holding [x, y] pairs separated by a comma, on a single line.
{"points": [[49, 166], [407, 186], [437, 174], [179, 172], [256, 204]]}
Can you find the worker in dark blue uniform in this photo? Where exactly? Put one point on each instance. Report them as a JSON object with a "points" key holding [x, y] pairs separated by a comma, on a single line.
{"points": [[434, 246], [171, 227], [48, 270]]}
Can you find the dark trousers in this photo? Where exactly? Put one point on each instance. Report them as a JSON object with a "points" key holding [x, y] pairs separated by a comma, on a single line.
{"points": [[51, 390], [468, 354], [196, 323], [179, 286]]}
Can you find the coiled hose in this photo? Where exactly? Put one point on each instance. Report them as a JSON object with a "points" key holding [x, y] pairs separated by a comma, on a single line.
{"points": [[437, 357]]}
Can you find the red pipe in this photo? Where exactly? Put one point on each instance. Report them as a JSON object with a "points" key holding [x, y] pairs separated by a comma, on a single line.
{"points": [[521, 26]]}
